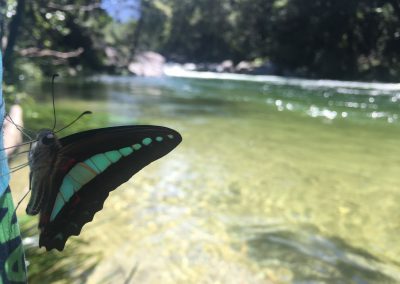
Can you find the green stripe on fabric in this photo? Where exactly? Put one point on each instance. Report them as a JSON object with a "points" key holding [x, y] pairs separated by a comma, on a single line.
{"points": [[15, 266], [8, 229]]}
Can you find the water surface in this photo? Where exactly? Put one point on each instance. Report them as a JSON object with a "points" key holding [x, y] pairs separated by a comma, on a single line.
{"points": [[273, 183]]}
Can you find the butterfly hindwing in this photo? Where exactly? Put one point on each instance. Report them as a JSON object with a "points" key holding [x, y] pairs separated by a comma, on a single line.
{"points": [[90, 165]]}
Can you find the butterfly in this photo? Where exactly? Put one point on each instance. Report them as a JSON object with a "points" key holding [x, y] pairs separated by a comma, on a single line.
{"points": [[71, 177]]}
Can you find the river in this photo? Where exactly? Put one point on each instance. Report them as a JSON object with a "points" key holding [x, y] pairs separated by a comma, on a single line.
{"points": [[274, 182]]}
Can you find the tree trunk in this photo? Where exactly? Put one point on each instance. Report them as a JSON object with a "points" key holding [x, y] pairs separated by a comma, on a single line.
{"points": [[138, 30], [12, 37], [2, 17]]}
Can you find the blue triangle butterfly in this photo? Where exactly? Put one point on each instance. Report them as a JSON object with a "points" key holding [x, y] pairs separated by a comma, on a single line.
{"points": [[71, 177]]}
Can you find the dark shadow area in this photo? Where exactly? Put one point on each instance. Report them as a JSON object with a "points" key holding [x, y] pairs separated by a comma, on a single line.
{"points": [[312, 257]]}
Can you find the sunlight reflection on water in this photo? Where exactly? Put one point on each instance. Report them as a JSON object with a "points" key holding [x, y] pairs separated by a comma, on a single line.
{"points": [[262, 189], [247, 166]]}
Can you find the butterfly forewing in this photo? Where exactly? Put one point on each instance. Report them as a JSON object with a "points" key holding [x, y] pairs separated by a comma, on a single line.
{"points": [[89, 165]]}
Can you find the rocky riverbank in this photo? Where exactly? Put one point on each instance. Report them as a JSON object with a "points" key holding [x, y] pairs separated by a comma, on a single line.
{"points": [[151, 64]]}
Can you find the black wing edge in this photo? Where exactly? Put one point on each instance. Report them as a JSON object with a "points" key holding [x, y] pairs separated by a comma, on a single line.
{"points": [[82, 135]]}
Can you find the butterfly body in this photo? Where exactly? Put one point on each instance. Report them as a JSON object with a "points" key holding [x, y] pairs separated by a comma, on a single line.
{"points": [[41, 157], [71, 177]]}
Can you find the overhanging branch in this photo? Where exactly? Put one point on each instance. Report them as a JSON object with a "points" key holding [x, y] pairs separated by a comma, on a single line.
{"points": [[36, 52]]}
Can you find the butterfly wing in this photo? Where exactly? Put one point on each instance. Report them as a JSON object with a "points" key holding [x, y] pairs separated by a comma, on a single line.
{"points": [[89, 165]]}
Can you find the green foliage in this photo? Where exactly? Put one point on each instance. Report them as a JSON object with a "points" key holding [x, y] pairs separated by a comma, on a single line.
{"points": [[51, 29], [335, 38], [323, 38], [200, 30]]}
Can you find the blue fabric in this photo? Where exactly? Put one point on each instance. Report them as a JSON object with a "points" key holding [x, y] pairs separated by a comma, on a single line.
{"points": [[4, 171]]}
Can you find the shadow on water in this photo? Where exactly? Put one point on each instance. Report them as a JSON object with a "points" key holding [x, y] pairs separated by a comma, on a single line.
{"points": [[312, 257]]}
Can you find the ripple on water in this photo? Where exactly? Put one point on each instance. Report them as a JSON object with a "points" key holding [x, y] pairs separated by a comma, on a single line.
{"points": [[312, 257]]}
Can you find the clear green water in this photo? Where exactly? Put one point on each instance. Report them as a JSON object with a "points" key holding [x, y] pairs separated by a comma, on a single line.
{"points": [[272, 183]]}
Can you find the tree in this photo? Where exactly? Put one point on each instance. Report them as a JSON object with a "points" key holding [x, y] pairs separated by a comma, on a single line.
{"points": [[54, 33], [334, 38], [12, 35], [323, 38], [199, 30]]}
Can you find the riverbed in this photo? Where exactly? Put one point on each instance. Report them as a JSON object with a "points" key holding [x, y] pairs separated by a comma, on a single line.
{"points": [[273, 182]]}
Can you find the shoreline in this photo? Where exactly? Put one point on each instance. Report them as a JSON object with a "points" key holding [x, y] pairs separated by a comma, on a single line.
{"points": [[174, 70]]}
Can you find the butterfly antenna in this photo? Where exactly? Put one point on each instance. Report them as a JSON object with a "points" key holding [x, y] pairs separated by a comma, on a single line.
{"points": [[52, 95], [14, 215], [19, 127], [12, 156], [19, 166], [15, 146], [15, 169], [75, 120], [20, 201]]}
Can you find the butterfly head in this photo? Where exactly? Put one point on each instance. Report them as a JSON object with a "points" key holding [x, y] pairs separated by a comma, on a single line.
{"points": [[44, 149], [46, 145], [46, 137]]}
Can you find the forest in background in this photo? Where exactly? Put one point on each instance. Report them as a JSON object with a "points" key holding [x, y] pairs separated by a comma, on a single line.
{"points": [[336, 39]]}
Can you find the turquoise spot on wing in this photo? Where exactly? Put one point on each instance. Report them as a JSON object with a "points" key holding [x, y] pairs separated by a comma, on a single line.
{"points": [[58, 205], [114, 156], [159, 139], [170, 136], [137, 146], [101, 162], [91, 165], [146, 141], [70, 181], [81, 174], [67, 189], [126, 151]]}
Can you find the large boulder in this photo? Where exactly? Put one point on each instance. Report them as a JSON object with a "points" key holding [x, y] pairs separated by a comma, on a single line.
{"points": [[149, 64]]}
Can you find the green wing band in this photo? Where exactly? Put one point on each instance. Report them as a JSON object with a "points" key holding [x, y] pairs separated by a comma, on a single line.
{"points": [[84, 172]]}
